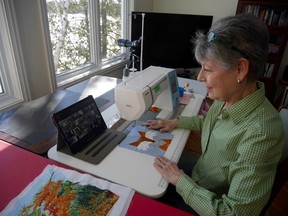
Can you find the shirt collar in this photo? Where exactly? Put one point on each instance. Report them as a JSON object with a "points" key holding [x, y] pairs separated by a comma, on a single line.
{"points": [[244, 107]]}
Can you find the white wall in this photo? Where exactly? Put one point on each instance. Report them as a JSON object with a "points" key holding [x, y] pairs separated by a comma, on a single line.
{"points": [[33, 47], [142, 5], [216, 8]]}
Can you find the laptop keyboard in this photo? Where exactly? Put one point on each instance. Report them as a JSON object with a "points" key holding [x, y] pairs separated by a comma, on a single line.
{"points": [[97, 142], [104, 144], [100, 148]]}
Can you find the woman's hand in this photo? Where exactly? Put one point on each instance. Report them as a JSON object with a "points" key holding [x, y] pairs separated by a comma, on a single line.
{"points": [[163, 125], [168, 169]]}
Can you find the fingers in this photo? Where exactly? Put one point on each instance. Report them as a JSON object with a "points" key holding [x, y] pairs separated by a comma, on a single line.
{"points": [[164, 164], [158, 124], [168, 169], [162, 161], [154, 123], [160, 164]]}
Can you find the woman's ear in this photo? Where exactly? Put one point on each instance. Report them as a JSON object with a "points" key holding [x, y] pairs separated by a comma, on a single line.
{"points": [[243, 69]]}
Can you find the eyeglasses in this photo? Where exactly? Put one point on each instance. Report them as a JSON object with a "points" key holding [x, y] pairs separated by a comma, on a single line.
{"points": [[212, 38]]}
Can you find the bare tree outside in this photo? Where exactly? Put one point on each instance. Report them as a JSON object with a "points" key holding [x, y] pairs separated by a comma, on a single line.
{"points": [[69, 24]]}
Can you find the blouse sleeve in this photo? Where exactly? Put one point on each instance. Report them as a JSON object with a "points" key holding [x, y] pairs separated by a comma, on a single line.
{"points": [[250, 178], [191, 123]]}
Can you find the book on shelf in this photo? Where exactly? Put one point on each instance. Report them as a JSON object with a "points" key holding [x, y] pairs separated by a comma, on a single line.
{"points": [[283, 20], [269, 70], [269, 15], [273, 48]]}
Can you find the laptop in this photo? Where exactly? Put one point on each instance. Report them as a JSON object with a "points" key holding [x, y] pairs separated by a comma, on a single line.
{"points": [[83, 133]]}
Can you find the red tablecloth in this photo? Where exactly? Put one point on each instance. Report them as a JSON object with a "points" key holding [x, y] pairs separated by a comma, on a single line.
{"points": [[19, 167]]}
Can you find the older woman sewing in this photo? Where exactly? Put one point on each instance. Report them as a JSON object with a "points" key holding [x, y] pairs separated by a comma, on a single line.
{"points": [[242, 133]]}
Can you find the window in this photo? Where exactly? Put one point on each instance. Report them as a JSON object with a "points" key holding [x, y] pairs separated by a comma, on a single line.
{"points": [[10, 85], [83, 35], [1, 89]]}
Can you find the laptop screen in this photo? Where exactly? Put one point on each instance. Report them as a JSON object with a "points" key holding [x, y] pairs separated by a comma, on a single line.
{"points": [[80, 123]]}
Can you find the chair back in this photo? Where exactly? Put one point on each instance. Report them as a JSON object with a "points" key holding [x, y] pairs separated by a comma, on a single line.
{"points": [[281, 176], [284, 116]]}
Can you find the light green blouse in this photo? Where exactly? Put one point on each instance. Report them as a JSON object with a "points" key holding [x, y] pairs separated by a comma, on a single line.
{"points": [[241, 148]]}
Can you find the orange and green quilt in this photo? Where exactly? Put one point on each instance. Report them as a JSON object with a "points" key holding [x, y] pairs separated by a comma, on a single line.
{"points": [[57, 191]]}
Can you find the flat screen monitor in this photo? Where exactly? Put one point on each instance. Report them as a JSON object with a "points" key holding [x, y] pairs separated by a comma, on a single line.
{"points": [[167, 38]]}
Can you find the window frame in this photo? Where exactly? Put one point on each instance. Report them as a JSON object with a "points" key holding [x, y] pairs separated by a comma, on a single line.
{"points": [[12, 70], [20, 84], [97, 66]]}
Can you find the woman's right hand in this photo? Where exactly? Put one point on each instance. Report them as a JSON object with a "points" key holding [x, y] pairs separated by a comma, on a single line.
{"points": [[162, 125]]}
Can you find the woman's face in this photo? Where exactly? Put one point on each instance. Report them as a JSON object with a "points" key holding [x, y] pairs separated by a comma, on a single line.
{"points": [[220, 83]]}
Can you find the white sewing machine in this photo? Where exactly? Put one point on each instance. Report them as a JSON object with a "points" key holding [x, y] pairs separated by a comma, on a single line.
{"points": [[154, 86]]}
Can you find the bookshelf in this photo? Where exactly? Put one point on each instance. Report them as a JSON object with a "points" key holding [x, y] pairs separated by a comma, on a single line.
{"points": [[275, 15]]}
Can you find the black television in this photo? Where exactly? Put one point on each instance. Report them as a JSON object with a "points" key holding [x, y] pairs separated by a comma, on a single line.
{"points": [[167, 38]]}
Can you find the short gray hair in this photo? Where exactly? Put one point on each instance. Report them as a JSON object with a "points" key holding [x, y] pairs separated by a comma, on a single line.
{"points": [[238, 36]]}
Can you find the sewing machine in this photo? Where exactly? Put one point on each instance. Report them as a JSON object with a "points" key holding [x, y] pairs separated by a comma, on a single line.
{"points": [[154, 86]]}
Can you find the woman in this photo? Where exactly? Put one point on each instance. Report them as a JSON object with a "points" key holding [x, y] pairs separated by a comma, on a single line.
{"points": [[240, 145]]}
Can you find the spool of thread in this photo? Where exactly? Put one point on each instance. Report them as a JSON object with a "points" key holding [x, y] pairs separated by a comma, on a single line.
{"points": [[186, 86], [126, 72]]}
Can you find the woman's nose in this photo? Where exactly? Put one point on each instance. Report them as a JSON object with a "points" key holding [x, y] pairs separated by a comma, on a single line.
{"points": [[201, 76]]}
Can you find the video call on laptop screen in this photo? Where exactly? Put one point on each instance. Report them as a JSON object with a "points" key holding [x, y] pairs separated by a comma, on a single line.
{"points": [[80, 123]]}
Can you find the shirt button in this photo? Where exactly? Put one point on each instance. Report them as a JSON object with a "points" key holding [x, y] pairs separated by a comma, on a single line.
{"points": [[224, 114]]}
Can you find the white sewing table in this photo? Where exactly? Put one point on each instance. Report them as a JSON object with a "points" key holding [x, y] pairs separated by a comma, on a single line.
{"points": [[134, 169]]}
